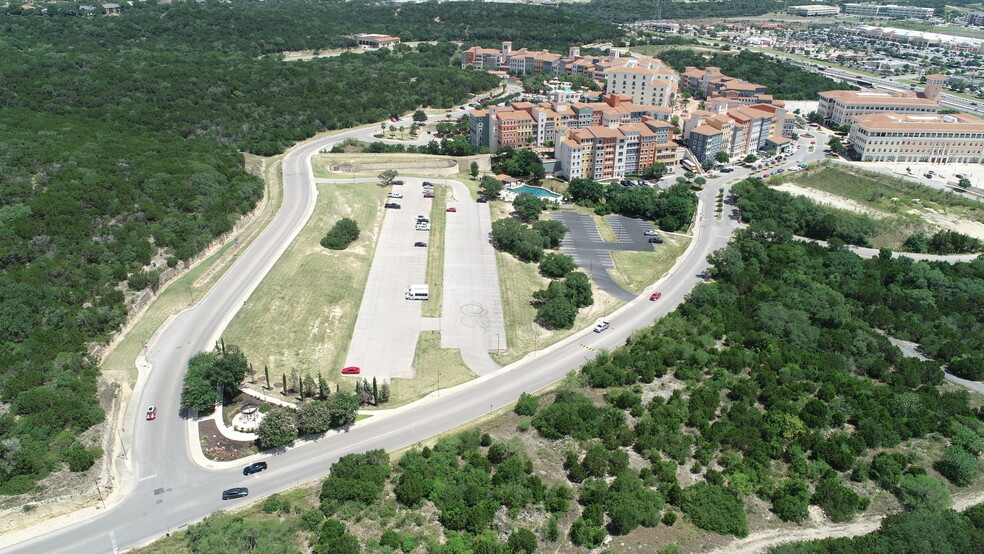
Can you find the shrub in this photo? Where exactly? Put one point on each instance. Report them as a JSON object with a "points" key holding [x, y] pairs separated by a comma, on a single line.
{"points": [[959, 466], [714, 508], [343, 233], [527, 405], [923, 492], [523, 540], [837, 501], [279, 427], [80, 458], [669, 518], [556, 266]]}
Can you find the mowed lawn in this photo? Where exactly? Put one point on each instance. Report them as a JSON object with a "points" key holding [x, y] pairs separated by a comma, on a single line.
{"points": [[303, 313], [634, 271]]}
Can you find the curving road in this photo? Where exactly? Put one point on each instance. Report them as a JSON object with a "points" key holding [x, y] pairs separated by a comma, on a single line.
{"points": [[168, 489]]}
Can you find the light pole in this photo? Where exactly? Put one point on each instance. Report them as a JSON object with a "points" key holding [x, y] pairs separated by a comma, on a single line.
{"points": [[122, 445], [99, 492]]}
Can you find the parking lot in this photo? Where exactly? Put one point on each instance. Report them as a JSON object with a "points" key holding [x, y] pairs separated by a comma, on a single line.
{"points": [[583, 243], [471, 318], [385, 337]]}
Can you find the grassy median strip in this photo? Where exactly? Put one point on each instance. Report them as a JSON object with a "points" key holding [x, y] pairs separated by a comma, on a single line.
{"points": [[435, 254], [303, 313], [187, 290], [634, 271], [434, 367]]}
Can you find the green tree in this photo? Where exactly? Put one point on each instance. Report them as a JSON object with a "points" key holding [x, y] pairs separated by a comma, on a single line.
{"points": [[714, 508], [386, 177], [527, 206], [523, 541], [343, 233], [750, 159], [278, 427], [490, 187], [473, 169], [419, 116], [655, 171], [837, 501], [198, 393], [836, 145], [722, 157], [556, 266], [585, 190], [343, 408]]}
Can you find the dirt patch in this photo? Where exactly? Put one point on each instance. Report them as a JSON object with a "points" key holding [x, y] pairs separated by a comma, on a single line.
{"points": [[216, 447], [831, 200], [970, 228]]}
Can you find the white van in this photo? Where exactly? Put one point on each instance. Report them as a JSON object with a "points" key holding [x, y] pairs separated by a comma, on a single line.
{"points": [[418, 292]]}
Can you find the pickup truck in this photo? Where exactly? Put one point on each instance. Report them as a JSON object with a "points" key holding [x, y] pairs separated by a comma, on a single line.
{"points": [[601, 327]]}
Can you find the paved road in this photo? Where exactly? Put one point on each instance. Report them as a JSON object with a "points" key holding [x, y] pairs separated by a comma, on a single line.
{"points": [[471, 318], [911, 350], [384, 340], [168, 490]]}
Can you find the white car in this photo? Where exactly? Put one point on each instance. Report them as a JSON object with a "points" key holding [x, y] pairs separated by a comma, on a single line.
{"points": [[395, 195], [601, 327], [651, 233]]}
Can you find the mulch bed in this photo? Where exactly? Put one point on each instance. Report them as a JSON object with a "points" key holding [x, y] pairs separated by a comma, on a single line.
{"points": [[218, 448]]}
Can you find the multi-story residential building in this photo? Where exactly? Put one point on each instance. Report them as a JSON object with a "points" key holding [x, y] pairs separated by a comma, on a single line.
{"points": [[812, 11], [526, 124], [738, 131], [714, 84], [888, 10], [933, 138], [975, 19], [606, 153], [660, 84], [840, 107], [649, 83]]}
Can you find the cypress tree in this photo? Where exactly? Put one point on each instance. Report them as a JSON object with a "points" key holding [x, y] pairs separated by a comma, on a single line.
{"points": [[375, 392], [285, 384]]}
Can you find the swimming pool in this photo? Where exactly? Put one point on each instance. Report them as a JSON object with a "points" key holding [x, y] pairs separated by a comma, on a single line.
{"points": [[536, 191]]}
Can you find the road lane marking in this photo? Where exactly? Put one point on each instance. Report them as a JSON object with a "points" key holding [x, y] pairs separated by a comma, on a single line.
{"points": [[142, 479], [586, 346]]}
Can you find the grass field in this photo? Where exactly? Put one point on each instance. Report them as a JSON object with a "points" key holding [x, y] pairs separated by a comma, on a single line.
{"points": [[322, 162], [886, 193], [186, 291], [435, 254], [518, 281], [303, 313], [634, 271], [433, 367]]}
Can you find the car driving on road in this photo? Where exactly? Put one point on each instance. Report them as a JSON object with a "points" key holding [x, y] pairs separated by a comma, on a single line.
{"points": [[151, 413], [238, 492], [656, 296], [601, 326], [254, 468]]}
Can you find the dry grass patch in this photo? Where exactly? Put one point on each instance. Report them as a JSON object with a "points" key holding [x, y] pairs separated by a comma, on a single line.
{"points": [[435, 254], [185, 291], [434, 367], [634, 271], [303, 313]]}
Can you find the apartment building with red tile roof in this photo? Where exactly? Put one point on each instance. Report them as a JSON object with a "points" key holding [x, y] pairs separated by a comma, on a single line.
{"points": [[609, 153]]}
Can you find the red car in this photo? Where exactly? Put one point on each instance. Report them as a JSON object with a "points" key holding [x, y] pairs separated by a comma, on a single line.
{"points": [[428, 195], [452, 209], [151, 413], [655, 296], [351, 370], [813, 142], [766, 176]]}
